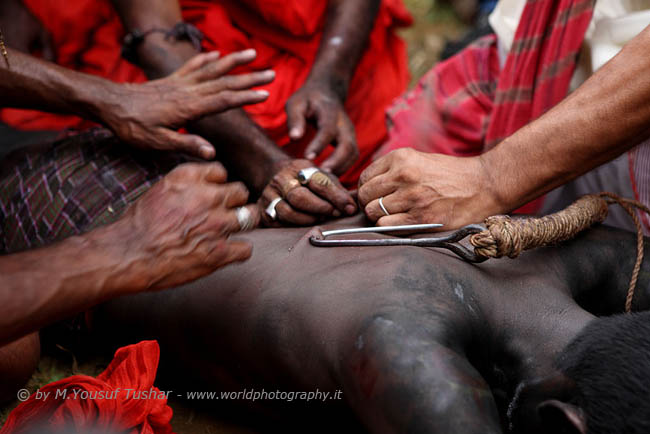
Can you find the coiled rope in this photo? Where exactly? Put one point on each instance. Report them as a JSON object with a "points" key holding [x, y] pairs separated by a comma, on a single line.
{"points": [[507, 236]]}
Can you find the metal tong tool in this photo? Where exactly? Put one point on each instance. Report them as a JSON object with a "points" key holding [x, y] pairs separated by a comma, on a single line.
{"points": [[449, 242]]}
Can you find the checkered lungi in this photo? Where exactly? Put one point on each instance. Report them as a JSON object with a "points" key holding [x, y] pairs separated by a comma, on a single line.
{"points": [[71, 186]]}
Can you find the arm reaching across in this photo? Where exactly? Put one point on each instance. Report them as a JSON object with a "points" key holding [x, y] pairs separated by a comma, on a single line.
{"points": [[177, 232], [606, 116], [145, 115], [322, 96]]}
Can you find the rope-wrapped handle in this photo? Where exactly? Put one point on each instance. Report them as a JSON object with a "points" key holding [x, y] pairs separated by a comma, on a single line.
{"points": [[507, 236]]}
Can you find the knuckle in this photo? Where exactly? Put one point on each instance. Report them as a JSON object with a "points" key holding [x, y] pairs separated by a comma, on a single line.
{"points": [[183, 170], [362, 195], [401, 154], [216, 196], [238, 187], [398, 154], [406, 175]]}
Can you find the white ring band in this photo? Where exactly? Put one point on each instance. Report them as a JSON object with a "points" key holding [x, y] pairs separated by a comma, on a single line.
{"points": [[270, 210], [245, 219], [305, 174], [381, 205]]}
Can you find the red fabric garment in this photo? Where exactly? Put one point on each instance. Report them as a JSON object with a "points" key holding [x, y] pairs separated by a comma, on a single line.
{"points": [[449, 110], [286, 35], [473, 106], [86, 36], [132, 370]]}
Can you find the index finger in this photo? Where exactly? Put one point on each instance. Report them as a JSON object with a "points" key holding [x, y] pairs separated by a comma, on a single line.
{"points": [[375, 188], [218, 67], [375, 169], [196, 63], [210, 172], [346, 151], [325, 135], [214, 172], [296, 118], [329, 188], [233, 194]]}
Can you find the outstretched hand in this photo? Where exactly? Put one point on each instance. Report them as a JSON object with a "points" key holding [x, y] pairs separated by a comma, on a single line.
{"points": [[148, 115], [318, 103]]}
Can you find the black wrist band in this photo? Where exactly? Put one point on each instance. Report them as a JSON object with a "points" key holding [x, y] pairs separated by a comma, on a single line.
{"points": [[180, 32]]}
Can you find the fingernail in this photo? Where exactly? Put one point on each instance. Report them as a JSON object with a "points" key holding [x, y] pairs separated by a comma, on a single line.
{"points": [[350, 209], [311, 155], [264, 93], [336, 213], [214, 54], [206, 152], [295, 133], [249, 53], [269, 74]]}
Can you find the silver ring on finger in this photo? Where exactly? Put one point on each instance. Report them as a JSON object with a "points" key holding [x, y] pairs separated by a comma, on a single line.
{"points": [[304, 176], [271, 211], [381, 205], [245, 219]]}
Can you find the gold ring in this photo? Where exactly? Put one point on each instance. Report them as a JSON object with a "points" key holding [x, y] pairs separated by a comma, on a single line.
{"points": [[321, 178]]}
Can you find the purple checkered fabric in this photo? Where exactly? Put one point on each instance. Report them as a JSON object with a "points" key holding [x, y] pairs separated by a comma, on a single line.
{"points": [[71, 186]]}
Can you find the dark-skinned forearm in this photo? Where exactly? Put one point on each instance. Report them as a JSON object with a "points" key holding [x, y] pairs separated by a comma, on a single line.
{"points": [[41, 286], [36, 84], [606, 116], [240, 144], [348, 26]]}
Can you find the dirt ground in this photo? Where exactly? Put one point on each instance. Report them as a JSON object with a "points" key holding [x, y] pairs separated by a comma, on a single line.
{"points": [[435, 23]]}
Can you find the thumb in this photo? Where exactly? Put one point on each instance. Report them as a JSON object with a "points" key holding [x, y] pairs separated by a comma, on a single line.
{"points": [[191, 144]]}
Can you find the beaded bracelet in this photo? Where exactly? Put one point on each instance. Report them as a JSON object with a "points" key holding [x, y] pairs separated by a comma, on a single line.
{"points": [[181, 31]]}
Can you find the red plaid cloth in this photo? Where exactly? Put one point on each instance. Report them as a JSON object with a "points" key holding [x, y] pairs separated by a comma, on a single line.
{"points": [[465, 106], [71, 186]]}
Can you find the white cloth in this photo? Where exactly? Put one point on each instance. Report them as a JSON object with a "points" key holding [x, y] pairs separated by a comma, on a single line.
{"points": [[614, 23]]}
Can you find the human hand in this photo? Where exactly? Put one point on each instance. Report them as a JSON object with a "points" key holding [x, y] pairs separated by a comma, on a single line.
{"points": [[147, 115], [318, 102], [420, 188], [178, 231], [321, 198], [23, 32]]}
